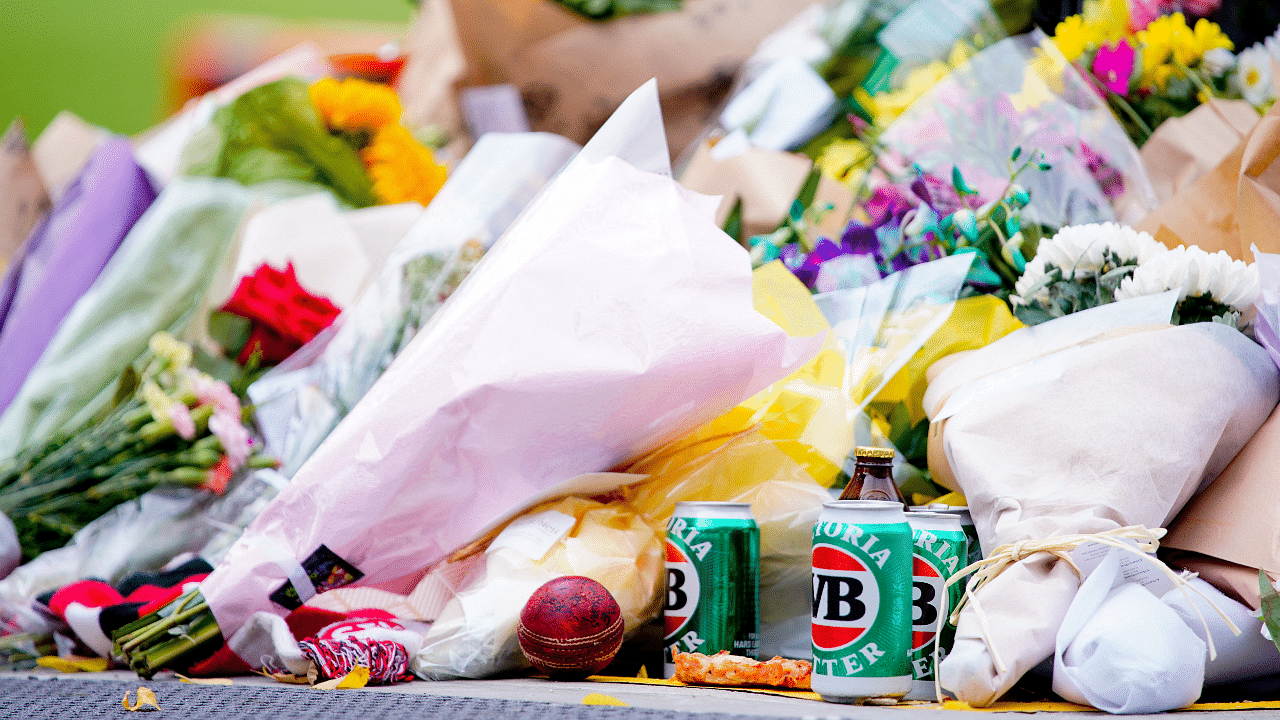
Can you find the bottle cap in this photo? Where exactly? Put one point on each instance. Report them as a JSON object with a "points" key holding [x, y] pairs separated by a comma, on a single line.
{"points": [[873, 452]]}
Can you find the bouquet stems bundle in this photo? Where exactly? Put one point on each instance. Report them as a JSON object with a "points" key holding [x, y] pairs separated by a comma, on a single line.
{"points": [[161, 639], [170, 424]]}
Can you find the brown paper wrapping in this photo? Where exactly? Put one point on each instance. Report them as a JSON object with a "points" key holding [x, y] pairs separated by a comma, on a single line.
{"points": [[63, 149], [23, 200], [1234, 205], [573, 72], [1183, 149], [436, 64], [767, 181], [1236, 519]]}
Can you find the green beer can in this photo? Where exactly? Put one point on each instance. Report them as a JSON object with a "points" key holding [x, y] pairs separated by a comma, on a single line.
{"points": [[713, 581], [861, 621], [940, 549]]}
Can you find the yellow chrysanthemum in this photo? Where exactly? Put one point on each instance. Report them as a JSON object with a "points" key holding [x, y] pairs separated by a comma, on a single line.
{"points": [[1205, 37], [355, 104], [401, 168], [1159, 41], [1074, 37], [1109, 20]]}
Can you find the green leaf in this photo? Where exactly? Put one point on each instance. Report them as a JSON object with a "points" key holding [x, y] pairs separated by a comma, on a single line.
{"points": [[126, 387], [957, 179], [733, 222], [229, 330], [1270, 607], [274, 132]]}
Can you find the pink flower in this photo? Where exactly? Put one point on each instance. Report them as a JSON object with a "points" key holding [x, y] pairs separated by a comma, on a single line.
{"points": [[211, 391], [1201, 8], [233, 436], [183, 423], [1142, 12], [1114, 66]]}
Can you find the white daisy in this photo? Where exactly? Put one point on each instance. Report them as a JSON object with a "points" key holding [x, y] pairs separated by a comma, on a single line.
{"points": [[1253, 75]]}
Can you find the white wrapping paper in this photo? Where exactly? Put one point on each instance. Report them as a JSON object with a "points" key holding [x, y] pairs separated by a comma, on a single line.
{"points": [[611, 317], [1109, 431]]}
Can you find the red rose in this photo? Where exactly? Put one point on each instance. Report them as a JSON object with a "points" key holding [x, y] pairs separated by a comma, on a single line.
{"points": [[284, 315]]}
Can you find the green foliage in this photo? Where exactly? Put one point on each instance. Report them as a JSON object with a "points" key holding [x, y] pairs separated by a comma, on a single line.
{"points": [[274, 132], [1270, 607], [608, 9]]}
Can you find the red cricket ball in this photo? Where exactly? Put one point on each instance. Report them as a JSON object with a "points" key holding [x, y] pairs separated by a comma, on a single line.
{"points": [[570, 628]]}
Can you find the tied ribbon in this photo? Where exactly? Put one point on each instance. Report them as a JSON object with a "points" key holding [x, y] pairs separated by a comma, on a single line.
{"points": [[1136, 539]]}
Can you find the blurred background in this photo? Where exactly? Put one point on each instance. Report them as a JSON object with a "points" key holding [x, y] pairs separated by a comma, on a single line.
{"points": [[127, 64]]}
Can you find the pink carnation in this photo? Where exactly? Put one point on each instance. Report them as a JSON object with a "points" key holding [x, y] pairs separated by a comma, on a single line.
{"points": [[183, 423], [211, 391], [233, 436]]}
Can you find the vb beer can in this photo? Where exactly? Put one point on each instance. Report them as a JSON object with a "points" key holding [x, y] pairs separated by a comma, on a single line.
{"points": [[713, 581], [940, 546], [861, 621], [966, 522]]}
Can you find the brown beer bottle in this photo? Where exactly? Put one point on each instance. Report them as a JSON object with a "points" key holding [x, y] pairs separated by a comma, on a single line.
{"points": [[872, 477]]}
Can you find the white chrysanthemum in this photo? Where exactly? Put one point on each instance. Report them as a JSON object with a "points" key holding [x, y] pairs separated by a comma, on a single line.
{"points": [[1193, 272], [1272, 44], [1084, 249], [1219, 61], [1253, 75]]}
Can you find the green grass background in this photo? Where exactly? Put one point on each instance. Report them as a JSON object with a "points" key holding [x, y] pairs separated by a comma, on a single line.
{"points": [[105, 60]]}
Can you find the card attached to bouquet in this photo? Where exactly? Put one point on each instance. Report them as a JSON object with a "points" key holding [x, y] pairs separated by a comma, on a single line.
{"points": [[325, 570], [1133, 569]]}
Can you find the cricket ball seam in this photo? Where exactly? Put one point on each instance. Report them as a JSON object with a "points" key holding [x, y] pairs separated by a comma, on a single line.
{"points": [[568, 643]]}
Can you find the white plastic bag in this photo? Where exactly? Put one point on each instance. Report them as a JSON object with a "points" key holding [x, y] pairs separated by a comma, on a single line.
{"points": [[1122, 650], [10, 551]]}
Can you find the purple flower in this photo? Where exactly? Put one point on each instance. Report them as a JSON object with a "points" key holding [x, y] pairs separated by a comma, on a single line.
{"points": [[937, 194]]}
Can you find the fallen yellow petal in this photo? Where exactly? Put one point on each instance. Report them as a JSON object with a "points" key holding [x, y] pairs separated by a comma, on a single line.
{"points": [[204, 681], [599, 699], [72, 664], [146, 701], [354, 680]]}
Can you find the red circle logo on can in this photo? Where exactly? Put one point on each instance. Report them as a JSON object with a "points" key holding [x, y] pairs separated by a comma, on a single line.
{"points": [[927, 586], [683, 590], [846, 597]]}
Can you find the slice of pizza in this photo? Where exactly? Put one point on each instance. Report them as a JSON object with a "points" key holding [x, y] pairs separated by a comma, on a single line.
{"points": [[736, 670]]}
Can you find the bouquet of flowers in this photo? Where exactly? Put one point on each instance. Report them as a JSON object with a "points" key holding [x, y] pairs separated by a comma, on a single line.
{"points": [[926, 220], [170, 424], [342, 134], [1160, 69], [1084, 266]]}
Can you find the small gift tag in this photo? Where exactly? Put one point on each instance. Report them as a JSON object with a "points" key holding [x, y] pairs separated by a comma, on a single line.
{"points": [[534, 535], [1133, 568]]}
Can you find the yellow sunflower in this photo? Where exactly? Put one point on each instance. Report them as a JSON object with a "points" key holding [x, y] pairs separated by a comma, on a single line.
{"points": [[401, 168], [355, 104]]}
